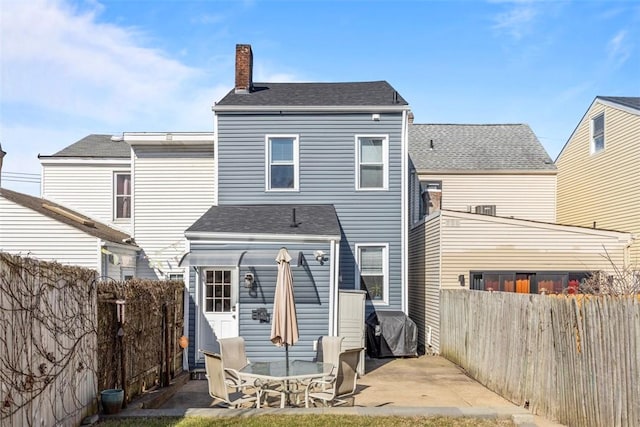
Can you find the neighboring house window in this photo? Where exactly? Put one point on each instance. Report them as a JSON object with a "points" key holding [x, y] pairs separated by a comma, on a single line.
{"points": [[430, 197], [282, 162], [122, 195], [548, 282], [372, 156], [175, 276], [597, 133], [372, 271]]}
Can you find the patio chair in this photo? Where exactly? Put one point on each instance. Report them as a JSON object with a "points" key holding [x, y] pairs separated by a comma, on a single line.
{"points": [[331, 348], [219, 386], [328, 352], [234, 358], [342, 384]]}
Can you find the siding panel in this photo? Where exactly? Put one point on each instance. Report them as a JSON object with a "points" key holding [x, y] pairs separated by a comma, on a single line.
{"points": [[173, 187], [602, 188], [515, 195], [327, 175], [311, 289], [87, 189], [27, 233], [483, 244]]}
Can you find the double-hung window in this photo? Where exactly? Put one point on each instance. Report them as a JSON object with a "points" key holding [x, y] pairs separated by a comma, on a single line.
{"points": [[372, 271], [597, 134], [281, 163], [122, 195], [372, 162]]}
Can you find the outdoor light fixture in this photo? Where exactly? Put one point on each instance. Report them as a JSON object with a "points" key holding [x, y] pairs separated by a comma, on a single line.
{"points": [[320, 257], [248, 280]]}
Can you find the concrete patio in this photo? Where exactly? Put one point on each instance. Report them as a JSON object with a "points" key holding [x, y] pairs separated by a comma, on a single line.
{"points": [[427, 385]]}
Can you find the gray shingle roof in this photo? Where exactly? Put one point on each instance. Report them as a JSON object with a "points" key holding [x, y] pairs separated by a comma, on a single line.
{"points": [[626, 101], [269, 219], [99, 146], [476, 147], [91, 227], [378, 93]]}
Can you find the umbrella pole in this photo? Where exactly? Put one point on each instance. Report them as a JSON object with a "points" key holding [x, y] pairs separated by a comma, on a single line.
{"points": [[286, 359]]}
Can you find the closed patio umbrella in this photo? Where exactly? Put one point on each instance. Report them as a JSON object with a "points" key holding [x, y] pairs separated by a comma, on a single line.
{"points": [[284, 327]]}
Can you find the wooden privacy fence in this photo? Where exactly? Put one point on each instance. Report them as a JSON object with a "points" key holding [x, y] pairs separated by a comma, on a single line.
{"points": [[139, 326], [47, 343], [573, 359]]}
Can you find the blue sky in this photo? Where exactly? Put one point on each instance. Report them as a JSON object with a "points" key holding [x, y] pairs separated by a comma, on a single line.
{"points": [[72, 68]]}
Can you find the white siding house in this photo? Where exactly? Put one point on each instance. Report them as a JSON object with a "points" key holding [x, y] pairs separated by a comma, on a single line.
{"points": [[39, 228], [174, 183], [84, 176]]}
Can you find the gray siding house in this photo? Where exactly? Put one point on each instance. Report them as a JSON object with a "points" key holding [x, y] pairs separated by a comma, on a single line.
{"points": [[318, 168]]}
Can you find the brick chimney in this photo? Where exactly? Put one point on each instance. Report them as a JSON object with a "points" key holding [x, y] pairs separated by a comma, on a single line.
{"points": [[244, 68]]}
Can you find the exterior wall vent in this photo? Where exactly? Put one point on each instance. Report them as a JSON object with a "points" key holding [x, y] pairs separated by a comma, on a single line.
{"points": [[486, 210]]}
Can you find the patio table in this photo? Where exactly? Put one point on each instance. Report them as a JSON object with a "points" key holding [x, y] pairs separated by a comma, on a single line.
{"points": [[288, 375]]}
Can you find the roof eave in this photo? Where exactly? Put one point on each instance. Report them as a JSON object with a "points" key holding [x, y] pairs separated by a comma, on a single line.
{"points": [[263, 238], [486, 171], [618, 106], [169, 138], [311, 108]]}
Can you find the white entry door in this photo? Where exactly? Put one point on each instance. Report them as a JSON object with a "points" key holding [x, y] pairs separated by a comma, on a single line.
{"points": [[219, 306]]}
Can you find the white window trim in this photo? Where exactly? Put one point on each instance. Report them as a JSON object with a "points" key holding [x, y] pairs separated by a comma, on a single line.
{"points": [[296, 163], [385, 270], [592, 143], [114, 196], [385, 162]]}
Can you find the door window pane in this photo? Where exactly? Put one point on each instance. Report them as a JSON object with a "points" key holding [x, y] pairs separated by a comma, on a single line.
{"points": [[217, 291]]}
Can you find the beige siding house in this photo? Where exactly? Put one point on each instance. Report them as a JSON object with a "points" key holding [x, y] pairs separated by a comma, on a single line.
{"points": [[498, 169], [598, 171], [464, 250]]}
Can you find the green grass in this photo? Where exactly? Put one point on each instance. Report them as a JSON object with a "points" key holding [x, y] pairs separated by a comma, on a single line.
{"points": [[306, 420]]}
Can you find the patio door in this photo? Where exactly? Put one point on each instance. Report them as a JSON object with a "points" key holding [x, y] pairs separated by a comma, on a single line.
{"points": [[219, 306]]}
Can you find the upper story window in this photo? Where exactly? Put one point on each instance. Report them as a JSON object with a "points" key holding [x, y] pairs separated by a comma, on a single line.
{"points": [[282, 162], [122, 195], [372, 162], [597, 134], [372, 270], [430, 197]]}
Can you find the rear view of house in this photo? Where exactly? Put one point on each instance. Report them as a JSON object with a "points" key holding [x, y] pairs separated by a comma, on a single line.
{"points": [[319, 168]]}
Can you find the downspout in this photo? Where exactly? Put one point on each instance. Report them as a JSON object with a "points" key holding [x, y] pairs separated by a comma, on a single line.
{"points": [[185, 328], [334, 287], [403, 200]]}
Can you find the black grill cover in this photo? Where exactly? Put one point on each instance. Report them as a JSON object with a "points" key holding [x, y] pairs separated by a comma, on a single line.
{"points": [[391, 334]]}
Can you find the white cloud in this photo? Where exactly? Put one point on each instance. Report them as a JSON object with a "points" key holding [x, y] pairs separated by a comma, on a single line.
{"points": [[619, 49], [517, 20], [63, 60]]}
